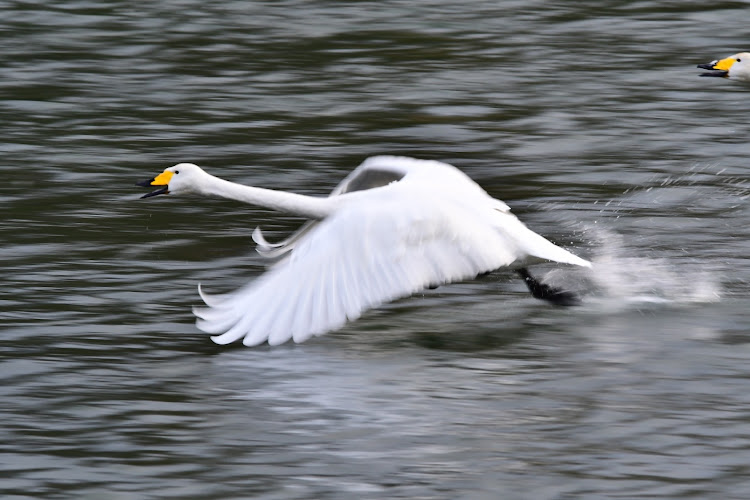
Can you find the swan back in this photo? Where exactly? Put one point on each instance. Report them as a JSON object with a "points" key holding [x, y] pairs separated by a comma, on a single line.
{"points": [[380, 171]]}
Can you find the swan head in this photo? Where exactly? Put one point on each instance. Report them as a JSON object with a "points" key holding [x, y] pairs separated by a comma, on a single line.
{"points": [[180, 178], [735, 67]]}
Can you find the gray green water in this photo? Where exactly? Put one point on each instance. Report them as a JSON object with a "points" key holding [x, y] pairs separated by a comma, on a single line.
{"points": [[588, 118]]}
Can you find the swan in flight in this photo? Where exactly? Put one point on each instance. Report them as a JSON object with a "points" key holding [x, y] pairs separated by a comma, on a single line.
{"points": [[735, 67], [391, 228]]}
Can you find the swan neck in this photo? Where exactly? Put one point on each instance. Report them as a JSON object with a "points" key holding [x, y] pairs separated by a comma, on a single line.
{"points": [[291, 203]]}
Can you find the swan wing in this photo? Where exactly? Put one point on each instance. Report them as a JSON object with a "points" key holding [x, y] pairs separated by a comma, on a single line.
{"points": [[359, 258], [374, 172], [275, 250]]}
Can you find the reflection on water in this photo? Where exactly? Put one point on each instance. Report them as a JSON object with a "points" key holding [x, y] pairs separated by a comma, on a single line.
{"points": [[588, 119]]}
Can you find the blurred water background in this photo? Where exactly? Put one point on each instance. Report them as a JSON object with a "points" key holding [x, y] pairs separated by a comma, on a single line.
{"points": [[587, 117]]}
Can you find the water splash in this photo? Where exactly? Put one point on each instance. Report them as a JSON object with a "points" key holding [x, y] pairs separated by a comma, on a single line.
{"points": [[663, 241], [620, 273], [624, 277], [701, 188]]}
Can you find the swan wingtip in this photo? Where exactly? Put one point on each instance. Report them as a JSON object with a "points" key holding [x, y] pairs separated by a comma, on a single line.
{"points": [[198, 312], [217, 339], [258, 236], [205, 297]]}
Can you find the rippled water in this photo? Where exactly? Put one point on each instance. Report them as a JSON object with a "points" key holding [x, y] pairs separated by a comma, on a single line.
{"points": [[588, 118]]}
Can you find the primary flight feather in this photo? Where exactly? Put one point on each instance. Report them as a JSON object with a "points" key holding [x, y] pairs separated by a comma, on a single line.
{"points": [[391, 228]]}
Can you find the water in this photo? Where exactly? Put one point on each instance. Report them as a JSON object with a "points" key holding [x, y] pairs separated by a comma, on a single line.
{"points": [[588, 118]]}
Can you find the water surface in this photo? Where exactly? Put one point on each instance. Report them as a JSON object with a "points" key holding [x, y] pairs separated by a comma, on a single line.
{"points": [[588, 118]]}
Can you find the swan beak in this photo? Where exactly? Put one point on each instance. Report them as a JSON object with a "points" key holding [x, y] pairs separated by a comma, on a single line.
{"points": [[160, 180], [718, 68]]}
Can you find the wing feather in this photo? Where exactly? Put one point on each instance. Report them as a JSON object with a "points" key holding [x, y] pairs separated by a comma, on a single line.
{"points": [[432, 226], [372, 173], [355, 260]]}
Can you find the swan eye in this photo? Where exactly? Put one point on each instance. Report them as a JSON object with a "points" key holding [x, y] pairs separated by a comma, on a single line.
{"points": [[739, 60], [176, 172]]}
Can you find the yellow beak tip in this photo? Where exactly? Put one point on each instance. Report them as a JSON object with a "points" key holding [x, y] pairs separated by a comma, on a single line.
{"points": [[162, 179], [724, 64]]}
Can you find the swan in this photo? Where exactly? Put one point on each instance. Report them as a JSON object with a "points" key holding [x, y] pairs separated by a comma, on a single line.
{"points": [[734, 67], [391, 228]]}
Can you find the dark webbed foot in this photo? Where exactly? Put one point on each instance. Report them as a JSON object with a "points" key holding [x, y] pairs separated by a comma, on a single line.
{"points": [[553, 295]]}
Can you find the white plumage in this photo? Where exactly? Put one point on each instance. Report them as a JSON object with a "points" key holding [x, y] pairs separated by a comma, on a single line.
{"points": [[393, 227]]}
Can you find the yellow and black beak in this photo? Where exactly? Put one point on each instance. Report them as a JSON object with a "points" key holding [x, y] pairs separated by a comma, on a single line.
{"points": [[718, 68], [160, 180]]}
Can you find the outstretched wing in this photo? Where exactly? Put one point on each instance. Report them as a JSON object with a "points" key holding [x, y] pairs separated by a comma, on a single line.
{"points": [[357, 259], [372, 173]]}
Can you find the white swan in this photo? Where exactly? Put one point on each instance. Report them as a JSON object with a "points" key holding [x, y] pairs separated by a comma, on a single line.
{"points": [[394, 226], [734, 67]]}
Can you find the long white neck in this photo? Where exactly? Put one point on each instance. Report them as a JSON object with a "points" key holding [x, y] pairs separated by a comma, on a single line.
{"points": [[297, 204]]}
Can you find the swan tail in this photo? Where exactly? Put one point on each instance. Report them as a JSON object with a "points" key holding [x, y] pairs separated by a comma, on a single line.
{"points": [[537, 246]]}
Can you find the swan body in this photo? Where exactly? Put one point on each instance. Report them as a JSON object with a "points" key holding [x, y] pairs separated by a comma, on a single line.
{"points": [[735, 67], [391, 228]]}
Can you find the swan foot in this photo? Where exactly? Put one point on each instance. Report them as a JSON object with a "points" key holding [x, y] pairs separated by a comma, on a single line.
{"points": [[551, 294]]}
